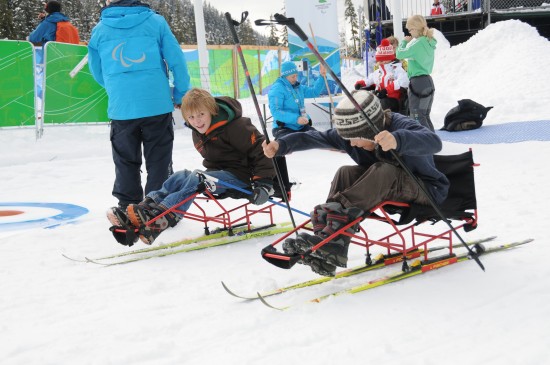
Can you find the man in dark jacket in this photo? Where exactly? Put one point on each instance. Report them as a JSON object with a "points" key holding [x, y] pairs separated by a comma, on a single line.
{"points": [[376, 177], [231, 148], [45, 32]]}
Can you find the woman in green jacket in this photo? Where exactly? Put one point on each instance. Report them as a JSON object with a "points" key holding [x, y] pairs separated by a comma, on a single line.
{"points": [[418, 49]]}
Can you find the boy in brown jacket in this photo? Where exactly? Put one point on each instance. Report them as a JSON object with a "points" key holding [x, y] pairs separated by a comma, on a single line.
{"points": [[232, 151]]}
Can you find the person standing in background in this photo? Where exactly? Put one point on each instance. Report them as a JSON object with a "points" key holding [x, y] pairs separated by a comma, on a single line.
{"points": [[130, 52], [419, 51], [47, 29], [389, 81], [437, 8]]}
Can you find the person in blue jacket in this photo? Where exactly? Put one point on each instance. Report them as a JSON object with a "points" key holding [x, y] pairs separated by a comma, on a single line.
{"points": [[130, 52], [286, 100], [45, 32], [377, 177]]}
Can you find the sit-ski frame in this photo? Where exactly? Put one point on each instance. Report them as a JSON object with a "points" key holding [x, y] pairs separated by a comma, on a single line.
{"points": [[402, 244]]}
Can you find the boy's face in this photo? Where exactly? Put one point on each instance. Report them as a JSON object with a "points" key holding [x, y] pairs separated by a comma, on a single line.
{"points": [[200, 120]]}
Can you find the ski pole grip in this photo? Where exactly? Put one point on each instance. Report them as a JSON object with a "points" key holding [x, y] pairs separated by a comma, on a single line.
{"points": [[231, 23], [289, 22]]}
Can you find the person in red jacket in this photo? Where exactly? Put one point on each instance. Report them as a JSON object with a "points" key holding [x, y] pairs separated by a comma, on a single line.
{"points": [[437, 8], [389, 80]]}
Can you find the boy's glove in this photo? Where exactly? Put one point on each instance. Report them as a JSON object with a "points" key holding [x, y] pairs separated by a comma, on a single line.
{"points": [[360, 85], [263, 189]]}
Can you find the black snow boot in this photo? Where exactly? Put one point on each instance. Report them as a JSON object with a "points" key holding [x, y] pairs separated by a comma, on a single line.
{"points": [[335, 252], [300, 245], [142, 215], [123, 230], [319, 218]]}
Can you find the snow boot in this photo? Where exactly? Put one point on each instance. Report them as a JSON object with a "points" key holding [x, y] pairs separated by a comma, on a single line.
{"points": [[319, 218], [335, 252], [300, 245], [319, 266], [141, 214], [122, 228], [117, 217], [293, 246]]}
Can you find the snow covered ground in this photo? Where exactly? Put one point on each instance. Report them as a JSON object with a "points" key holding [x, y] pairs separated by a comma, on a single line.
{"points": [[173, 310]]}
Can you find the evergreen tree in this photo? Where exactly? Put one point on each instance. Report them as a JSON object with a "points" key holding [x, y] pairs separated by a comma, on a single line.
{"points": [[6, 22], [246, 34], [362, 27], [284, 32], [20, 18], [273, 39], [351, 17], [25, 16]]}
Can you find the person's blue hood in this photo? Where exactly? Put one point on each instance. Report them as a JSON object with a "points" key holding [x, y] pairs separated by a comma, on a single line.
{"points": [[125, 17], [56, 17]]}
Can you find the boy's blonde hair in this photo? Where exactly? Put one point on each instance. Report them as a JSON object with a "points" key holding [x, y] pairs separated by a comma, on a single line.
{"points": [[198, 99], [419, 22]]}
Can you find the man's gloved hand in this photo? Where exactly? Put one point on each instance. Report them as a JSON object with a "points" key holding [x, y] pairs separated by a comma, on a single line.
{"points": [[360, 85], [382, 93], [263, 189]]}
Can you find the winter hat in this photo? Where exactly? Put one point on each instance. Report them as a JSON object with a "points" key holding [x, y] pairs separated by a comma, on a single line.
{"points": [[350, 123], [53, 7], [385, 51], [288, 68]]}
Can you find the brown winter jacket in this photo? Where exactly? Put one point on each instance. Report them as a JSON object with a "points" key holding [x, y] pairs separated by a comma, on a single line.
{"points": [[233, 144]]}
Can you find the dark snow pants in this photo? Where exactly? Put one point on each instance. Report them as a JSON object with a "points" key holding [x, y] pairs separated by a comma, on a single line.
{"points": [[156, 133], [356, 186], [421, 97]]}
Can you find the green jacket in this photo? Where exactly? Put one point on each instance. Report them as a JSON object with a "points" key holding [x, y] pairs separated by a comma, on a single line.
{"points": [[419, 54]]}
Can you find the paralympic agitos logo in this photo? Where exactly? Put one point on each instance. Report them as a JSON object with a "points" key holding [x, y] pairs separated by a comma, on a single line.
{"points": [[118, 55]]}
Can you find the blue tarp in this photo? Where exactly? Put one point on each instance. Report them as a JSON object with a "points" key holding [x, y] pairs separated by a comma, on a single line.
{"points": [[538, 130]]}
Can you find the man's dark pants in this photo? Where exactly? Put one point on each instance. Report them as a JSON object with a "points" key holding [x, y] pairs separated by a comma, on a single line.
{"points": [[156, 133]]}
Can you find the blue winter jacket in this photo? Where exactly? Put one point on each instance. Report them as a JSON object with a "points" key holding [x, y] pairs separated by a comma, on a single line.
{"points": [[128, 54], [416, 146], [285, 101], [46, 30]]}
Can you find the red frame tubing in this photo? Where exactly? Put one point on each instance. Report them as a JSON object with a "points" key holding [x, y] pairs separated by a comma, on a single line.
{"points": [[399, 244], [225, 217]]}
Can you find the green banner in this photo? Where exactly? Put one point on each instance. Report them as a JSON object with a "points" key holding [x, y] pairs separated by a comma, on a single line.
{"points": [[222, 75], [71, 100], [16, 84]]}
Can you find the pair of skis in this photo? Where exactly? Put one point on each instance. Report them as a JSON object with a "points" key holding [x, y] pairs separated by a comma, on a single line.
{"points": [[214, 239], [416, 269]]}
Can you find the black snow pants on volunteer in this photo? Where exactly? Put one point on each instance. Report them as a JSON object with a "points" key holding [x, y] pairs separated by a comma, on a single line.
{"points": [[156, 133], [421, 97]]}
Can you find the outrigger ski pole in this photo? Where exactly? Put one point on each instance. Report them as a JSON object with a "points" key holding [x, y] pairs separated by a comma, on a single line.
{"points": [[290, 23], [232, 24]]}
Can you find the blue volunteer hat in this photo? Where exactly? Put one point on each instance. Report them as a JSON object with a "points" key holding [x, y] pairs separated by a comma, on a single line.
{"points": [[288, 68]]}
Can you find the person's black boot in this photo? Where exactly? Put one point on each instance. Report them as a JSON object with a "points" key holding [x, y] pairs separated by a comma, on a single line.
{"points": [[142, 217], [335, 252], [318, 219], [300, 245], [123, 230]]}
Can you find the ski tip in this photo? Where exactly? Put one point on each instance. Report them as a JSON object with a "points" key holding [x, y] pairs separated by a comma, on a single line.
{"points": [[269, 305], [230, 292], [95, 262], [72, 259]]}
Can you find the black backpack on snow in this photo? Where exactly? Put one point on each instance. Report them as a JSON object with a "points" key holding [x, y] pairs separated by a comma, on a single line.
{"points": [[467, 115]]}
